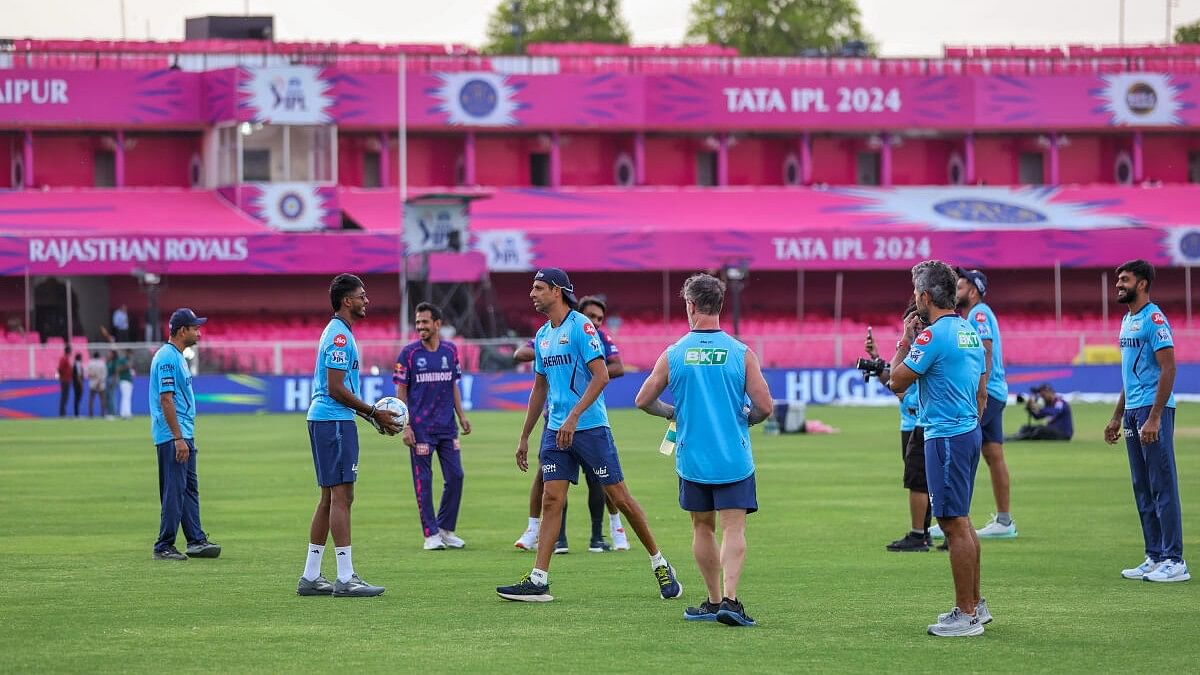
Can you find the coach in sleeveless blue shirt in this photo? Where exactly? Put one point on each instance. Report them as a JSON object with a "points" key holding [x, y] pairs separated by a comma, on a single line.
{"points": [[172, 421], [946, 361], [711, 376], [333, 439], [1146, 409], [570, 374]]}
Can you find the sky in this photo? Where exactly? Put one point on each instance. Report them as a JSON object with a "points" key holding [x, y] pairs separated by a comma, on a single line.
{"points": [[901, 27]]}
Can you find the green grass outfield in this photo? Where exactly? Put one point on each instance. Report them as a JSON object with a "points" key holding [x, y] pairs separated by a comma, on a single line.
{"points": [[79, 513]]}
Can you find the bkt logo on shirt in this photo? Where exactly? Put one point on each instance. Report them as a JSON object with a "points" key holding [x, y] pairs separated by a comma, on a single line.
{"points": [[968, 339], [339, 340], [705, 356]]}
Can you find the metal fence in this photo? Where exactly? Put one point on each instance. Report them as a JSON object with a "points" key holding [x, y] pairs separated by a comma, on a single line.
{"points": [[293, 357]]}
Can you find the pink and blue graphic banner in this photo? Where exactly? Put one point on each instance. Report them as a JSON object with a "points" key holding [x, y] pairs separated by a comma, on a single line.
{"points": [[315, 95]]}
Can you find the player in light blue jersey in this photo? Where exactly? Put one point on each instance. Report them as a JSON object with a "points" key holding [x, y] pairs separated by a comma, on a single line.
{"points": [[946, 361], [710, 375], [334, 441], [570, 373], [1146, 409], [912, 454], [972, 287], [172, 422]]}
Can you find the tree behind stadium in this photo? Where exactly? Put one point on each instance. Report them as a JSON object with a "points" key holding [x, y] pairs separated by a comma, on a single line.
{"points": [[777, 27], [516, 23], [1188, 33]]}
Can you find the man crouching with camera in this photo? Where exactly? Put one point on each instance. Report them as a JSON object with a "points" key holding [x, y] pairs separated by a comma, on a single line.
{"points": [[1044, 404]]}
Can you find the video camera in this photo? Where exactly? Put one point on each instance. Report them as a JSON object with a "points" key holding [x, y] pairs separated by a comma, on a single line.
{"points": [[1033, 398], [871, 368]]}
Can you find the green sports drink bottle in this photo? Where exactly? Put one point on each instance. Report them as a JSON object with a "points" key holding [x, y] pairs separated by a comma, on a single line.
{"points": [[668, 442]]}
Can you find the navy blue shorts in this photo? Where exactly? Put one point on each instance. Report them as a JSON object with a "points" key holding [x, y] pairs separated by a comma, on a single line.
{"points": [[704, 497], [593, 449], [950, 465], [992, 423], [335, 451]]}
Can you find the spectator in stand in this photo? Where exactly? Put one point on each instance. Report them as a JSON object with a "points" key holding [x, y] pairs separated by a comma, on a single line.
{"points": [[120, 322], [125, 383], [97, 374], [64, 380], [77, 373]]}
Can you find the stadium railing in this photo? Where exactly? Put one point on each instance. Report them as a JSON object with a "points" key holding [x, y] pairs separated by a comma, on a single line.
{"points": [[815, 350]]}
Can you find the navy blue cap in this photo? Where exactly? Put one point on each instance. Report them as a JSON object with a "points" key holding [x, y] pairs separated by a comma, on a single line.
{"points": [[556, 277], [185, 317], [979, 279]]}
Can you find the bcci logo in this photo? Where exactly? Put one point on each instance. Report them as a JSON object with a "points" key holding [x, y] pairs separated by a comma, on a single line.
{"points": [[291, 206], [1141, 98], [478, 98], [704, 356]]}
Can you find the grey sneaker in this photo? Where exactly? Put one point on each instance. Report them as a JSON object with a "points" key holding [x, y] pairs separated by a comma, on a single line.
{"points": [[981, 611], [355, 588], [169, 553], [957, 624], [203, 549], [318, 586]]}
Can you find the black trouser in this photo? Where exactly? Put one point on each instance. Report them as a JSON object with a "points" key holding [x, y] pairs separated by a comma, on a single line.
{"points": [[64, 393], [77, 388], [595, 508], [913, 452], [1040, 432]]}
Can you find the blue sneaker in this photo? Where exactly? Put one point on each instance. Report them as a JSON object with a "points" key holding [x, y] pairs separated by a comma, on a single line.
{"points": [[732, 613], [668, 586], [707, 611], [525, 590]]}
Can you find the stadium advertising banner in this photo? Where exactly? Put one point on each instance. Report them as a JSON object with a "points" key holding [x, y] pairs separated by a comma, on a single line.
{"points": [[221, 254], [71, 97], [218, 394], [316, 95]]}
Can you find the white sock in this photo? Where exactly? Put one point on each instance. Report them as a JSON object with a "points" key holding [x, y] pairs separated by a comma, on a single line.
{"points": [[345, 566], [614, 521], [534, 523], [657, 560], [312, 564], [540, 577]]}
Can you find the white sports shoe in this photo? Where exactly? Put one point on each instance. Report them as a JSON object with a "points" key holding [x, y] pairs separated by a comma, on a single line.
{"points": [[1169, 570], [994, 530], [451, 540], [435, 543], [956, 624], [1140, 571], [620, 541], [935, 532], [527, 541]]}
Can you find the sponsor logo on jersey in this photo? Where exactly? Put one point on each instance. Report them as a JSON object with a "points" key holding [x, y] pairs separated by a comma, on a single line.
{"points": [[1131, 342], [545, 344], [980, 317], [421, 362], [968, 339], [916, 354], [339, 340], [445, 376], [167, 382], [338, 358], [925, 337], [547, 468], [1135, 326], [705, 356], [594, 344], [556, 360], [1164, 334], [421, 448], [563, 339], [445, 362], [589, 328], [1158, 319]]}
